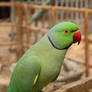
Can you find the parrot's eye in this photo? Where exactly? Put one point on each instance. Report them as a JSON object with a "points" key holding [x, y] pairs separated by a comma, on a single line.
{"points": [[66, 31]]}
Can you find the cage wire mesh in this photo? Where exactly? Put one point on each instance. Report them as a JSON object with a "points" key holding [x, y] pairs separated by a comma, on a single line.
{"points": [[45, 20], [60, 16], [75, 17], [42, 22]]}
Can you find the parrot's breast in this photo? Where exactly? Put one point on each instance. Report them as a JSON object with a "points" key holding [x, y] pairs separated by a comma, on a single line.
{"points": [[50, 60], [50, 69]]}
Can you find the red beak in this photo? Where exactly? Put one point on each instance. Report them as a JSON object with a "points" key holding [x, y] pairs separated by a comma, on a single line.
{"points": [[77, 37]]}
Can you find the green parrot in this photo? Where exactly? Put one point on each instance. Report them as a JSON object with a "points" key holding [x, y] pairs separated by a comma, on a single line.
{"points": [[41, 64]]}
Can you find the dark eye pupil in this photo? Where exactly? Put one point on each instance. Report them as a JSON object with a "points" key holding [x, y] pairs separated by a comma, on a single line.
{"points": [[66, 31]]}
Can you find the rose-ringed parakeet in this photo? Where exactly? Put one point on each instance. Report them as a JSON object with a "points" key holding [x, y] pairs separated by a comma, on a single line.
{"points": [[41, 64]]}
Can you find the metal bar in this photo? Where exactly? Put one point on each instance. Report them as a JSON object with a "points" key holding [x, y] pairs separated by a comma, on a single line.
{"points": [[86, 3], [81, 14], [35, 33], [12, 18], [86, 44], [77, 13], [49, 18], [72, 13], [57, 12], [36, 24], [29, 10], [43, 21], [17, 40], [62, 12], [67, 13]]}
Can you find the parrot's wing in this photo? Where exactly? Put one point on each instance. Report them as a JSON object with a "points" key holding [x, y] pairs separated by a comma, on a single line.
{"points": [[25, 75]]}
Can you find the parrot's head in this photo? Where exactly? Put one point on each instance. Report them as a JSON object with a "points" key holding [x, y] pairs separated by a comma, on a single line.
{"points": [[64, 34]]}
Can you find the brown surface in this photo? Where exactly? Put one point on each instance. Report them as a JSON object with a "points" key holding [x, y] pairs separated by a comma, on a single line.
{"points": [[79, 86], [86, 45]]}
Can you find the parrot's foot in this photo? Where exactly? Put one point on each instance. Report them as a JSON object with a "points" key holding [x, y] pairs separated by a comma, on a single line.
{"points": [[40, 91]]}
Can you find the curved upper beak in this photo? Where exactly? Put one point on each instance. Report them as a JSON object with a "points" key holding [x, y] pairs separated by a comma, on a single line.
{"points": [[77, 37]]}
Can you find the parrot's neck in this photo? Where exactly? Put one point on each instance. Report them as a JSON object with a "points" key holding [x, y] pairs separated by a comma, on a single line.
{"points": [[46, 49]]}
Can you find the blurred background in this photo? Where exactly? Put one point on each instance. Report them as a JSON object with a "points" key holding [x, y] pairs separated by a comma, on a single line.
{"points": [[24, 22]]}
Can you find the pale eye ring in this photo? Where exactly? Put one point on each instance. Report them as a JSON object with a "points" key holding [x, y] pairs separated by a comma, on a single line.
{"points": [[66, 31]]}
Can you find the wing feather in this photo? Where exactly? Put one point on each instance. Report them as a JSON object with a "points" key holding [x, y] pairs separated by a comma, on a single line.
{"points": [[25, 75]]}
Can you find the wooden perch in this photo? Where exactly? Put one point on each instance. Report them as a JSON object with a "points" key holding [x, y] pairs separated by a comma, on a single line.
{"points": [[72, 76], [79, 86]]}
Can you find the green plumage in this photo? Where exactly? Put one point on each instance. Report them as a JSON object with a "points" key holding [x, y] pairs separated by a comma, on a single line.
{"points": [[41, 64]]}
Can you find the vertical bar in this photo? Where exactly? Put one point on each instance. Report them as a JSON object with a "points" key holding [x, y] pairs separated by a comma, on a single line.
{"points": [[17, 36], [62, 12], [26, 26], [20, 28], [43, 2], [72, 13], [49, 18], [67, 13], [86, 3], [29, 2], [57, 12], [53, 15], [86, 44], [36, 22], [77, 13], [12, 17], [35, 33], [43, 21], [81, 14]]}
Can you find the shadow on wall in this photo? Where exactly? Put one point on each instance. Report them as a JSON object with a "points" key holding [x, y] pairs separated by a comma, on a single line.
{"points": [[4, 11]]}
